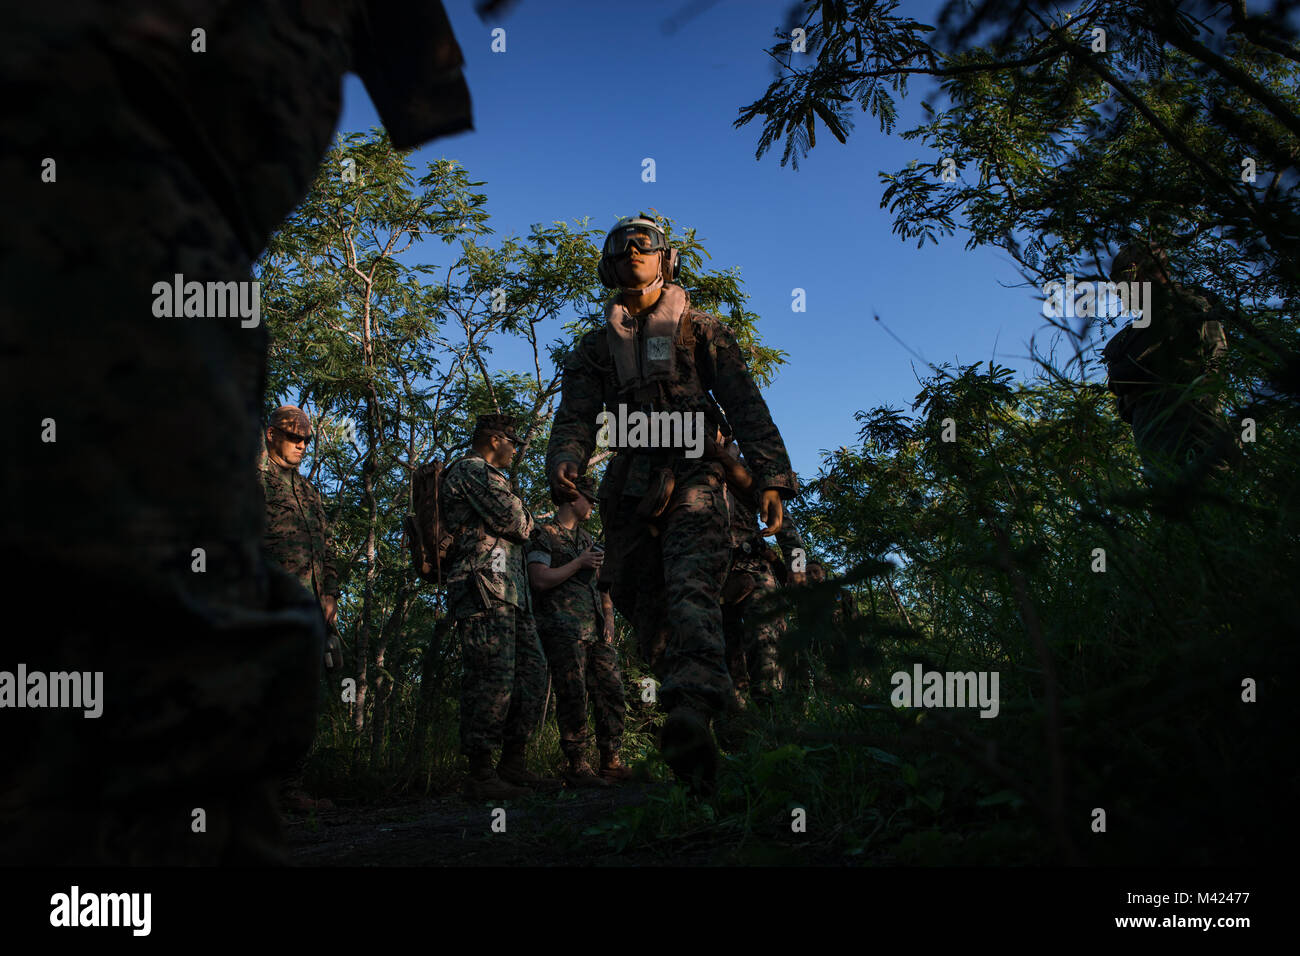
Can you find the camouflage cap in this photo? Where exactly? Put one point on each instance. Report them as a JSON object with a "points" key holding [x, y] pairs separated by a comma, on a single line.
{"points": [[291, 418], [498, 424], [586, 486]]}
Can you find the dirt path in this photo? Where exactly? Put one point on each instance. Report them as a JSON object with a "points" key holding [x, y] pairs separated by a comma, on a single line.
{"points": [[448, 830]]}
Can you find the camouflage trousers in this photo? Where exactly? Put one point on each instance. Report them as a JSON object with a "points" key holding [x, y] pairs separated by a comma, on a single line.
{"points": [[666, 578], [504, 679], [753, 640], [582, 669]]}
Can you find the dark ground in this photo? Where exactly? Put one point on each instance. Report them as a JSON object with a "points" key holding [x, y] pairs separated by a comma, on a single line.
{"points": [[449, 830], [543, 830]]}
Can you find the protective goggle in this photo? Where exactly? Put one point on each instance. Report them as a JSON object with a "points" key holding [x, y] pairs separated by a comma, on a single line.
{"points": [[644, 238]]}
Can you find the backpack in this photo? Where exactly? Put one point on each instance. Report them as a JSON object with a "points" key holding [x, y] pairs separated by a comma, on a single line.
{"points": [[428, 537]]}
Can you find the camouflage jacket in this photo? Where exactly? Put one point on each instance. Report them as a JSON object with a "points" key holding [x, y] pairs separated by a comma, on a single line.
{"points": [[297, 535], [574, 606], [707, 360], [491, 525]]}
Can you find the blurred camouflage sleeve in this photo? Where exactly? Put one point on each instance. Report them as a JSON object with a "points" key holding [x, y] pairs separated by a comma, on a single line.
{"points": [[410, 63], [748, 413], [573, 434]]}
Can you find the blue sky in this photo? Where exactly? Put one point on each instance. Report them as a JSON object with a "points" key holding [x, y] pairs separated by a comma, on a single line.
{"points": [[584, 91]]}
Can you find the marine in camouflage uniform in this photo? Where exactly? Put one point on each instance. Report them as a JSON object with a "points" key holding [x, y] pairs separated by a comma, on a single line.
{"points": [[577, 630], [297, 539], [135, 518], [1164, 375], [754, 639], [503, 682], [656, 353], [297, 533]]}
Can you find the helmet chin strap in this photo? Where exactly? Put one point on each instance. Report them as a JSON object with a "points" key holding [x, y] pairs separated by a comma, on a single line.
{"points": [[659, 280]]}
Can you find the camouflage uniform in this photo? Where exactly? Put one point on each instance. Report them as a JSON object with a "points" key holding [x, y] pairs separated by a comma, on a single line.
{"points": [[754, 644], [504, 679], [666, 573], [178, 162], [571, 622], [297, 534], [1161, 386]]}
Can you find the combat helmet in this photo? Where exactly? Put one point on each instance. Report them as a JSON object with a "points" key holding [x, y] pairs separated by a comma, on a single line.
{"points": [[648, 236]]}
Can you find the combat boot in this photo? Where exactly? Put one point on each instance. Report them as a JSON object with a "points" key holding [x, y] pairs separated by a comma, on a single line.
{"points": [[688, 748], [613, 769], [579, 774], [484, 784], [513, 769]]}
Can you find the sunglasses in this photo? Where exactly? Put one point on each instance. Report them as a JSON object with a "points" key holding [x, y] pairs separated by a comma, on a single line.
{"points": [[293, 439]]}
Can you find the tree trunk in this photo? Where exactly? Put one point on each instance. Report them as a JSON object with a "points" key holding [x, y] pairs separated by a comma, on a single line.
{"points": [[430, 683], [390, 634]]}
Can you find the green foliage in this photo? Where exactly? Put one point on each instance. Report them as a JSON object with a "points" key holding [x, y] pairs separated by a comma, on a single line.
{"points": [[384, 301]]}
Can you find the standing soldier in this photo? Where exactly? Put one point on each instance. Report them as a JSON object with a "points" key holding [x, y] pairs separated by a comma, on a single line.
{"points": [[664, 513], [576, 625], [504, 678], [296, 538], [200, 125], [1163, 375], [753, 639]]}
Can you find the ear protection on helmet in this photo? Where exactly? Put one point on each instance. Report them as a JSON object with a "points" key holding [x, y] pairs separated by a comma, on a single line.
{"points": [[616, 244]]}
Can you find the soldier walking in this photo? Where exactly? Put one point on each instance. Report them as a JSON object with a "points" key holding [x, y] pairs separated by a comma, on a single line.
{"points": [[504, 678], [664, 512], [575, 620]]}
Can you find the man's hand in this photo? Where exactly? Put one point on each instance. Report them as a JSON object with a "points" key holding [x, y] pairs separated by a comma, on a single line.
{"points": [[771, 511], [591, 558], [563, 477], [330, 605]]}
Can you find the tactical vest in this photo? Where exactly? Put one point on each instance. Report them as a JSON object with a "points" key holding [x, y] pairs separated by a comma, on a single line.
{"points": [[629, 473]]}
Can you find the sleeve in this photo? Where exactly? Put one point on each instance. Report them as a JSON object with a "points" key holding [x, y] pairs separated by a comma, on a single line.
{"points": [[748, 413], [501, 510], [573, 433], [407, 56], [789, 539], [539, 547]]}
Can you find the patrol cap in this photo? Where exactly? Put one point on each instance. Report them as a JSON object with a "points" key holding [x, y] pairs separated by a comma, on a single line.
{"points": [[495, 425], [586, 487], [291, 418]]}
